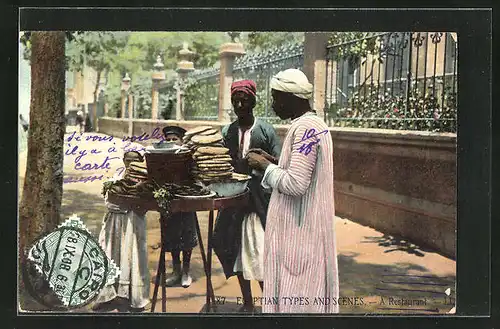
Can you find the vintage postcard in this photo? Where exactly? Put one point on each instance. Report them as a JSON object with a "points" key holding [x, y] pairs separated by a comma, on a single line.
{"points": [[238, 172]]}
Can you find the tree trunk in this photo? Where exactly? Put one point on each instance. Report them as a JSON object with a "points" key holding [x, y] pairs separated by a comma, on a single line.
{"points": [[40, 207], [96, 96]]}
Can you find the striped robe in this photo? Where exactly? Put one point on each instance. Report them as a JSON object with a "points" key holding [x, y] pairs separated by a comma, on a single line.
{"points": [[300, 257]]}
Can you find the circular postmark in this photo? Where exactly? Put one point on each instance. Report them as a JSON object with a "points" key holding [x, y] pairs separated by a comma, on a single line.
{"points": [[67, 268]]}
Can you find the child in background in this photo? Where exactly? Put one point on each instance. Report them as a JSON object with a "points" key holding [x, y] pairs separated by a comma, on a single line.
{"points": [[180, 232], [123, 238]]}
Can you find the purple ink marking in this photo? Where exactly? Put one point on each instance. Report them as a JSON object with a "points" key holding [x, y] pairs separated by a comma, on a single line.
{"points": [[307, 148], [82, 154], [95, 138], [132, 148], [120, 170], [72, 152], [94, 166], [85, 179], [310, 133], [144, 137], [77, 138]]}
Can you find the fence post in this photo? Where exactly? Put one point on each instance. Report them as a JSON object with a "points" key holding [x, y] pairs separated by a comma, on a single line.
{"points": [[228, 53], [315, 44], [158, 76], [184, 66]]}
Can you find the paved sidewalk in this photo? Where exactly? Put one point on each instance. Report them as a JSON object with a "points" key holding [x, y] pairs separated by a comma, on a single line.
{"points": [[378, 273]]}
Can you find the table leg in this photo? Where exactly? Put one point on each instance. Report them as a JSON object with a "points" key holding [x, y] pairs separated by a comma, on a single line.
{"points": [[209, 256], [204, 259], [164, 286], [159, 276]]}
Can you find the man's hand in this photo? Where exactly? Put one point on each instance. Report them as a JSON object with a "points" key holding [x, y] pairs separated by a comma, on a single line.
{"points": [[257, 161], [264, 154]]}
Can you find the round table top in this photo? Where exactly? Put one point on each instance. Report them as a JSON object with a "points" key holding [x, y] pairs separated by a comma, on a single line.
{"points": [[182, 205]]}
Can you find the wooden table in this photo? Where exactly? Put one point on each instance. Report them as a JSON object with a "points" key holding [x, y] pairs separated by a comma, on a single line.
{"points": [[185, 205]]}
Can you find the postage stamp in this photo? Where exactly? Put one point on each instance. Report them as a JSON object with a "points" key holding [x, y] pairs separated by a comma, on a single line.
{"points": [[72, 263]]}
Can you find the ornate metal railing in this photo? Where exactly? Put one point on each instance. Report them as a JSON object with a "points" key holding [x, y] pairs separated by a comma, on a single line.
{"points": [[201, 95], [261, 67], [397, 80]]}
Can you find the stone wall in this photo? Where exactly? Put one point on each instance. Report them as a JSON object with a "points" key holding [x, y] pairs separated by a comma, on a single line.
{"points": [[399, 182]]}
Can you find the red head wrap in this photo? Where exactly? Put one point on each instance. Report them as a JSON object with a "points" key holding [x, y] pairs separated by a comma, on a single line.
{"points": [[246, 86]]}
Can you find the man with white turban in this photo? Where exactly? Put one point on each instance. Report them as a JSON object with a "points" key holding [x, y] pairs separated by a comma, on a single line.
{"points": [[300, 257]]}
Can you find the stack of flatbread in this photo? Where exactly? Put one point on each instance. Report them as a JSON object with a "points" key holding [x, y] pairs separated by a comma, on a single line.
{"points": [[212, 161], [202, 136], [134, 182], [137, 172]]}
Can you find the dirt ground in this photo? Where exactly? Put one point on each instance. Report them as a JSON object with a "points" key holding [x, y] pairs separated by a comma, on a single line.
{"points": [[387, 274]]}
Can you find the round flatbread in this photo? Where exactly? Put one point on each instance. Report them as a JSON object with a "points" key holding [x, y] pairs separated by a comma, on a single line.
{"points": [[240, 177], [213, 165], [197, 130], [138, 165], [129, 172], [214, 175], [208, 132], [226, 172], [137, 171], [213, 170], [214, 162], [205, 140], [210, 150], [205, 157]]}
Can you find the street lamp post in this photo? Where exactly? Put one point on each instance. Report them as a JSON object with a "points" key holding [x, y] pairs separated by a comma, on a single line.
{"points": [[158, 77], [184, 66], [125, 88]]}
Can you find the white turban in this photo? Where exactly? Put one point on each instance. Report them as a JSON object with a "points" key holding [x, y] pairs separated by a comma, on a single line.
{"points": [[292, 81]]}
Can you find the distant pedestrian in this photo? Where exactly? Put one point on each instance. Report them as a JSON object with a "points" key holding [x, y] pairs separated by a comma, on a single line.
{"points": [[80, 121], [88, 124], [23, 122]]}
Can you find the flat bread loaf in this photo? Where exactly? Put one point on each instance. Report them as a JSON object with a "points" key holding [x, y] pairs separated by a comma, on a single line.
{"points": [[203, 140], [210, 150], [197, 130]]}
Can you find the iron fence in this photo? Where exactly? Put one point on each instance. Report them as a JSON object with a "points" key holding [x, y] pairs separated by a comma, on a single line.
{"points": [[396, 80], [201, 93], [201, 96], [261, 67]]}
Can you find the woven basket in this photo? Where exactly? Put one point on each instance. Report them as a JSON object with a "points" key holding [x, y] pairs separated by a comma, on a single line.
{"points": [[169, 167]]}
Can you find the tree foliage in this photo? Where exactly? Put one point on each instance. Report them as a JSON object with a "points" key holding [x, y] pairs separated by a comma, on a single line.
{"points": [[113, 54], [261, 41], [95, 49]]}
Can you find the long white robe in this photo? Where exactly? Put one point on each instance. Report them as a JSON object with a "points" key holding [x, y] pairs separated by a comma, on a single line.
{"points": [[300, 257], [250, 259], [123, 238]]}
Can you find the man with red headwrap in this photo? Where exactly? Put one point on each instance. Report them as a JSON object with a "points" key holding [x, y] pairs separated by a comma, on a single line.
{"points": [[239, 233]]}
